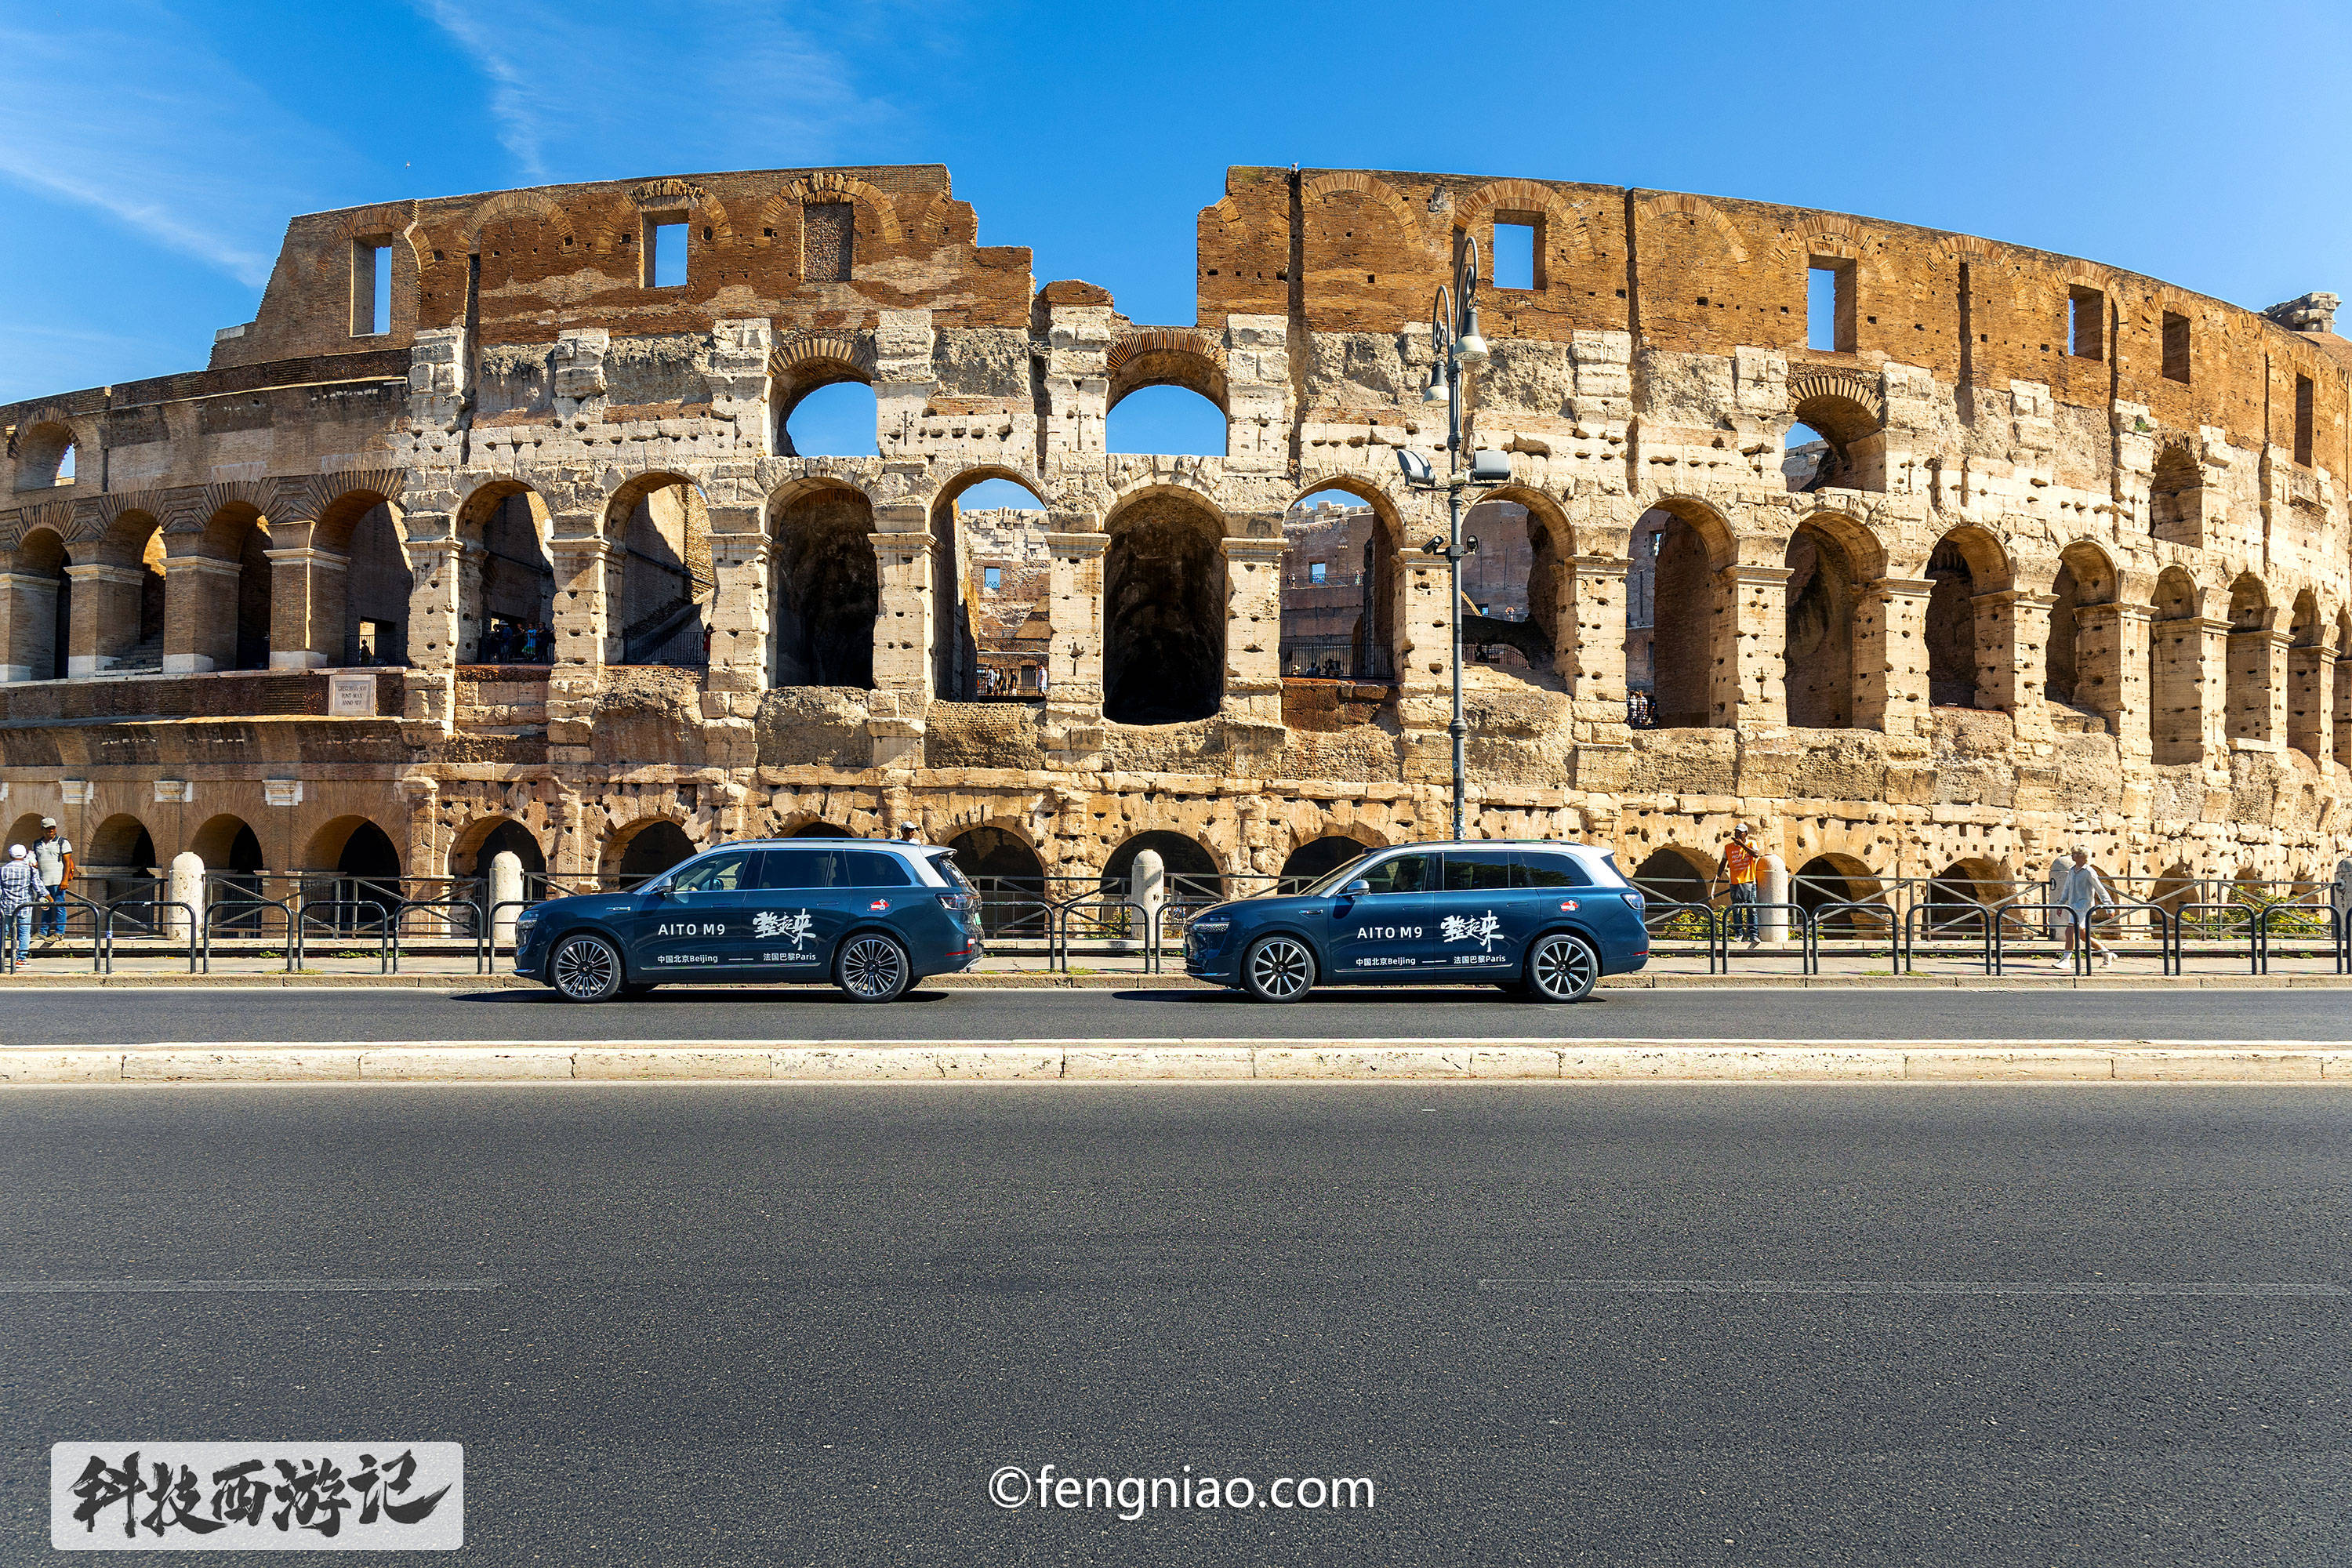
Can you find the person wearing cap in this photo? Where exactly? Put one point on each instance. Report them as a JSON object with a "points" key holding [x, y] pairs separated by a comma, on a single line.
{"points": [[1740, 865], [53, 856], [2083, 892], [20, 890], [910, 834]]}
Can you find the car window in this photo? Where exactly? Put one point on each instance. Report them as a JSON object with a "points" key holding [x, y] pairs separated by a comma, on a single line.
{"points": [[1534, 868], [797, 869], [719, 874], [1404, 874], [876, 868], [1477, 871]]}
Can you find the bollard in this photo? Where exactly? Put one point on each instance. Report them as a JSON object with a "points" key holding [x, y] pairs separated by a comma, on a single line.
{"points": [[506, 887], [188, 887], [1148, 885], [1773, 923]]}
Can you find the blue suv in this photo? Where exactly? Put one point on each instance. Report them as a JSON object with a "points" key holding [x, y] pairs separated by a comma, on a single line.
{"points": [[872, 917], [1540, 920]]}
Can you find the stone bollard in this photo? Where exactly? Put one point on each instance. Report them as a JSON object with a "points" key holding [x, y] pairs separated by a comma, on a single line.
{"points": [[2339, 890], [1774, 924], [1147, 884], [506, 887], [186, 886]]}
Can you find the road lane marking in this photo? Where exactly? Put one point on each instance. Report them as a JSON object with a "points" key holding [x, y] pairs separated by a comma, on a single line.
{"points": [[1915, 1288], [140, 1287]]}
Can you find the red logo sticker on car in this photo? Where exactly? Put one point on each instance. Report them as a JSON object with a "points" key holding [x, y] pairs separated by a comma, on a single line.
{"points": [[1568, 904], [879, 904]]}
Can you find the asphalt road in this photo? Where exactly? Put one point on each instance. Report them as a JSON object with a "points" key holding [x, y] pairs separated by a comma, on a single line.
{"points": [[806, 1325], [145, 1016]]}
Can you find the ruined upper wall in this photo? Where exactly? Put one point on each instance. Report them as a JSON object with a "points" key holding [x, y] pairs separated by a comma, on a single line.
{"points": [[527, 263], [1362, 251]]}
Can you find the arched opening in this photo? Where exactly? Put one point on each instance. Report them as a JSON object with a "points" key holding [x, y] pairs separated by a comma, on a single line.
{"points": [[121, 601], [44, 456], [1514, 587], [2340, 694], [2176, 889], [2307, 697], [834, 419], [1835, 443], [826, 589], [507, 596], [643, 852], [820, 830], [2082, 663], [40, 609], [661, 611], [235, 876], [231, 627], [1010, 877], [1828, 881], [119, 863], [1959, 897], [1192, 876], [1817, 648], [1319, 857], [471, 857], [1338, 589], [2175, 495], [991, 581], [1965, 565], [376, 587], [1164, 594], [1673, 874], [1165, 420], [2253, 676], [1687, 601], [2176, 648], [351, 875]]}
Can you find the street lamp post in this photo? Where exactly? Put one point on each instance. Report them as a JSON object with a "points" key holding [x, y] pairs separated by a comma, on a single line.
{"points": [[1453, 336]]}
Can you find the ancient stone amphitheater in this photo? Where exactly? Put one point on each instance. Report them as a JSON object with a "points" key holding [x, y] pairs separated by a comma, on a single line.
{"points": [[2072, 563]]}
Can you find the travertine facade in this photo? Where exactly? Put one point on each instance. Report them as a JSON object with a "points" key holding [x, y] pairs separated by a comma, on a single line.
{"points": [[2074, 564]]}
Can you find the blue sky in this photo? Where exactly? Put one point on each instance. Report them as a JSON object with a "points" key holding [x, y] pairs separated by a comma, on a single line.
{"points": [[151, 151]]}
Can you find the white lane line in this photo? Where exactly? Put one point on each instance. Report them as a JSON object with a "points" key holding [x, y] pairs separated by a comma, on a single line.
{"points": [[93, 1286], [1913, 1288]]}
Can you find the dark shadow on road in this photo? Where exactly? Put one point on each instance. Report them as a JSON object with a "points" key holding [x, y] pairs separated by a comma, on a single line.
{"points": [[697, 996], [1344, 996]]}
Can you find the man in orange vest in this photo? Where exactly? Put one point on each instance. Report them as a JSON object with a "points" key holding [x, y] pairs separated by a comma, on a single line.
{"points": [[1740, 866]]}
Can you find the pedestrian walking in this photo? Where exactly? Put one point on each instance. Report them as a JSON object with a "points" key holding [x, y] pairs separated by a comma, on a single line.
{"points": [[1740, 865], [2085, 892], [20, 893], [53, 856]]}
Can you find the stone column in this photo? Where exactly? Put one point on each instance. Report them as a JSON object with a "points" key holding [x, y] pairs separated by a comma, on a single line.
{"points": [[1890, 656], [2257, 687], [306, 607], [582, 565], [186, 886], [32, 621], [506, 887], [2111, 667], [1254, 629], [2311, 691], [1589, 640], [199, 612], [105, 616], [2212, 686], [739, 617], [441, 634], [1772, 924], [1750, 635], [1424, 665], [903, 617], [2013, 630], [1074, 658]]}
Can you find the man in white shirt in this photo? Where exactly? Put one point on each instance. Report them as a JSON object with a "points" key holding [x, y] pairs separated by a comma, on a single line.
{"points": [[53, 855]]}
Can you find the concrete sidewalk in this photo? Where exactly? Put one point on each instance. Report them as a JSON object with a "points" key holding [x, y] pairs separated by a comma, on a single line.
{"points": [[1434, 1061]]}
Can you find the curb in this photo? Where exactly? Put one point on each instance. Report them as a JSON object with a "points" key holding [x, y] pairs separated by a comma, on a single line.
{"points": [[1178, 980], [1876, 1061]]}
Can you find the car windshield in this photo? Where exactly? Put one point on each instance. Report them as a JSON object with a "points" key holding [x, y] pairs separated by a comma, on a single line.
{"points": [[1331, 882]]}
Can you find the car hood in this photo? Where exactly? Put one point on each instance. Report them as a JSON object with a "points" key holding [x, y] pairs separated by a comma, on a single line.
{"points": [[587, 904]]}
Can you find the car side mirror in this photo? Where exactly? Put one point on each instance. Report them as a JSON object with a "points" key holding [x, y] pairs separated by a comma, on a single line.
{"points": [[1356, 889]]}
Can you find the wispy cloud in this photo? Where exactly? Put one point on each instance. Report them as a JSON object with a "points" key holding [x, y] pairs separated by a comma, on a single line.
{"points": [[125, 109], [578, 89]]}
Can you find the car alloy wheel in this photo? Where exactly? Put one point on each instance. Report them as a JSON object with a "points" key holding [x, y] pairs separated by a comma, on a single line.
{"points": [[1278, 969], [1562, 968], [873, 968], [585, 969]]}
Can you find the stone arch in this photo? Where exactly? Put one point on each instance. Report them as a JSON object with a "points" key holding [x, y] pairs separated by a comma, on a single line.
{"points": [[1372, 652], [661, 582], [1959, 897], [2176, 653], [2175, 495], [1559, 226], [2254, 689], [353, 845], [1691, 609], [509, 207], [42, 451], [1702, 211], [1168, 356], [226, 842], [1011, 877], [227, 622], [1165, 605], [809, 362], [364, 619], [640, 850], [825, 585], [506, 591], [40, 607], [830, 186], [1833, 877], [969, 613], [1676, 874], [235, 872], [1848, 413], [1356, 226], [1320, 856], [1542, 634], [118, 860], [1831, 560], [2081, 662], [1194, 876], [1964, 622]]}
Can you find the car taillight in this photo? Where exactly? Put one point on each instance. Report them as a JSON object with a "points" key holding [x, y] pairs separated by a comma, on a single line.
{"points": [[961, 903]]}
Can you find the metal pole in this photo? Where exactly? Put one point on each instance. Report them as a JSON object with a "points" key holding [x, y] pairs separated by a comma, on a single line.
{"points": [[1459, 728]]}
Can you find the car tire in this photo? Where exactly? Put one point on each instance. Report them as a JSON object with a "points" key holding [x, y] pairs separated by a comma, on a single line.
{"points": [[1562, 968], [1278, 968], [585, 967], [872, 967]]}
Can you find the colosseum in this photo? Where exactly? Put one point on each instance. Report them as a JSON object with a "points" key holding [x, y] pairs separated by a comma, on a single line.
{"points": [[2016, 550]]}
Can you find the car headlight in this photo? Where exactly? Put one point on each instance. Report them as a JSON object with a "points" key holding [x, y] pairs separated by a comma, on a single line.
{"points": [[1213, 928], [525, 921]]}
